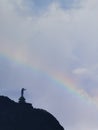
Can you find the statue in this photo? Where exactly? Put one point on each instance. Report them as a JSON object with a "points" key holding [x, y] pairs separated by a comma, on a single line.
{"points": [[22, 92], [22, 99]]}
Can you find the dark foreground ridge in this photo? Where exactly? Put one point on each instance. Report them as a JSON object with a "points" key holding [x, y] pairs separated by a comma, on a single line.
{"points": [[22, 116]]}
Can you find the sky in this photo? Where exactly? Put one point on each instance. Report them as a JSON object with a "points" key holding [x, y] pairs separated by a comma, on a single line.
{"points": [[50, 48]]}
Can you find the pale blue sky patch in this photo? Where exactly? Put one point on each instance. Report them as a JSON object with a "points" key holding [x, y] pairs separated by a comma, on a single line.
{"points": [[39, 7], [64, 3]]}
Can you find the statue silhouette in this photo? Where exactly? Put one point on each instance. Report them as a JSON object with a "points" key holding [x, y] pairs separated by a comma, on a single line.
{"points": [[22, 99], [22, 92]]}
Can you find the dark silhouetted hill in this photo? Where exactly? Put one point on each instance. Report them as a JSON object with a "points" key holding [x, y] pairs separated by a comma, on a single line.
{"points": [[22, 116]]}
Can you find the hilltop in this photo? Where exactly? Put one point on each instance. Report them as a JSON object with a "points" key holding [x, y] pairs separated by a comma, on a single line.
{"points": [[22, 116]]}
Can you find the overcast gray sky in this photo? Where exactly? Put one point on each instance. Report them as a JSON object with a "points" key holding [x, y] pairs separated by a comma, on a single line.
{"points": [[50, 47]]}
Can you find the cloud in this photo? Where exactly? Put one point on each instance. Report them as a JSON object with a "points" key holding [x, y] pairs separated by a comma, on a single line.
{"points": [[80, 71]]}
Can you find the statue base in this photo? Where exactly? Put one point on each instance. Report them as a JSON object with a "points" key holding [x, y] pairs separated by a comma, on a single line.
{"points": [[22, 100]]}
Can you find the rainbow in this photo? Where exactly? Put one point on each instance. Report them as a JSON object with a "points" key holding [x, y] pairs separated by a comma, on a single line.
{"points": [[56, 77]]}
